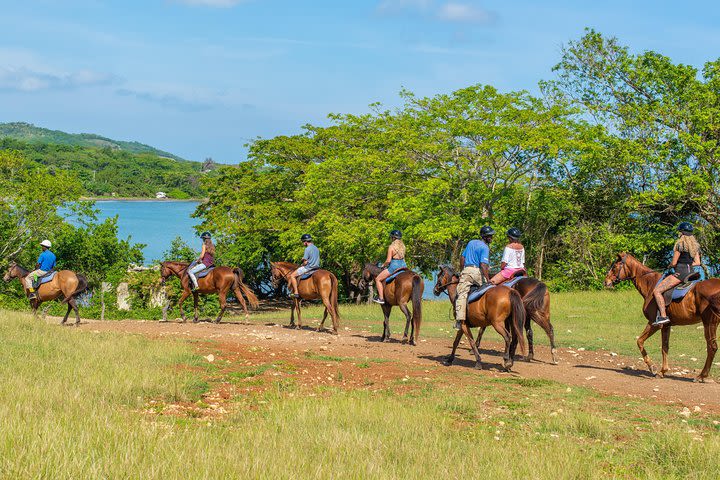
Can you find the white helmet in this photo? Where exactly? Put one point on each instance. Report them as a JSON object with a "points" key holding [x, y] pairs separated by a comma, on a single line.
{"points": [[46, 243]]}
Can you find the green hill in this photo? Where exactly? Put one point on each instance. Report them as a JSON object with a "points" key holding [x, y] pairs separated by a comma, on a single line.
{"points": [[104, 167], [32, 134]]}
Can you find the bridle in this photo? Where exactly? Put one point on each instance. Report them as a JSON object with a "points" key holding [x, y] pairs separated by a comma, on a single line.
{"points": [[442, 288], [623, 264]]}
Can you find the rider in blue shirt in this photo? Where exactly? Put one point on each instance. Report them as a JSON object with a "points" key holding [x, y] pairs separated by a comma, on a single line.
{"points": [[46, 262], [310, 262], [475, 270]]}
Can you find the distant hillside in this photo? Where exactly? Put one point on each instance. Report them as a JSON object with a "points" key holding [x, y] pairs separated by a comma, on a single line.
{"points": [[30, 133]]}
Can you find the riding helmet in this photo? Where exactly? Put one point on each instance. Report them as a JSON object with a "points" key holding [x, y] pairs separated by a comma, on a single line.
{"points": [[514, 233], [205, 235], [46, 244], [487, 231], [306, 238], [396, 234], [685, 227]]}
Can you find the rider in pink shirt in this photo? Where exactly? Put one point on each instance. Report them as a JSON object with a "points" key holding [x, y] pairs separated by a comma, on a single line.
{"points": [[513, 260]]}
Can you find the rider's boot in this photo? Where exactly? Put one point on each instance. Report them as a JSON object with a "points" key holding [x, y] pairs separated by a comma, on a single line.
{"points": [[32, 295], [379, 300], [660, 321]]}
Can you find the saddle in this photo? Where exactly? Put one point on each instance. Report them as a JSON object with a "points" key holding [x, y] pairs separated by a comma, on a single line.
{"points": [[44, 279], [678, 293], [394, 275], [309, 274], [476, 292], [510, 283], [202, 273]]}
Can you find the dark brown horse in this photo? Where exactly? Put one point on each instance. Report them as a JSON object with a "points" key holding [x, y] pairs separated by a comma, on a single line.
{"points": [[536, 300], [321, 285], [701, 304], [219, 281], [66, 283], [407, 286], [500, 307]]}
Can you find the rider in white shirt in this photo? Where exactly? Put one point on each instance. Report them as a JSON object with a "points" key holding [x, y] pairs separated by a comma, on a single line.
{"points": [[513, 260]]}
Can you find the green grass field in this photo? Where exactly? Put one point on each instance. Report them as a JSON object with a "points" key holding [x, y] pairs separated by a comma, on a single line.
{"points": [[607, 320], [78, 404]]}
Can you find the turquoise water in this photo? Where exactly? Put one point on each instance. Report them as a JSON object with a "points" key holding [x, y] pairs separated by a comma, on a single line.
{"points": [[154, 223]]}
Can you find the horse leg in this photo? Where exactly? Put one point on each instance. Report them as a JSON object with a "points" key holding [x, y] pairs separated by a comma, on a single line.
{"points": [[292, 314], [223, 305], [185, 294], [296, 302], [195, 305], [386, 322], [507, 358], [67, 314], [711, 341], [328, 308], [529, 334], [647, 333], [465, 329], [408, 320], [479, 337], [322, 322], [665, 333], [242, 302], [450, 358], [73, 302], [544, 322]]}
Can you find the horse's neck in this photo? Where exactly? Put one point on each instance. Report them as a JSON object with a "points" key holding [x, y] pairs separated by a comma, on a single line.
{"points": [[644, 278], [452, 290], [178, 269], [22, 273]]}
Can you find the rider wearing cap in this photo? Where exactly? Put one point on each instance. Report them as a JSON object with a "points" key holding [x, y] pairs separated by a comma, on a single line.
{"points": [[513, 260], [686, 255], [310, 262], [46, 262], [205, 260], [395, 261], [475, 270]]}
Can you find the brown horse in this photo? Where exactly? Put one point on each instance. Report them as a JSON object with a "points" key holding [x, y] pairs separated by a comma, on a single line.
{"points": [[536, 300], [66, 283], [500, 307], [701, 304], [407, 286], [219, 281], [322, 284]]}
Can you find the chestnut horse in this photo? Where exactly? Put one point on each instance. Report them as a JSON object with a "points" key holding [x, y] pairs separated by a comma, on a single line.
{"points": [[219, 281], [66, 283], [500, 306], [700, 304], [536, 300], [322, 284], [407, 286]]}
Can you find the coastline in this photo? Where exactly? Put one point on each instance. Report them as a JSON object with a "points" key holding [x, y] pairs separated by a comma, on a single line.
{"points": [[140, 199]]}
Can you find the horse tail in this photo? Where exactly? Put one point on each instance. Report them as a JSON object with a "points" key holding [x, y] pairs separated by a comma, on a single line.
{"points": [[518, 318], [535, 300], [82, 286], [334, 296], [417, 292], [244, 289]]}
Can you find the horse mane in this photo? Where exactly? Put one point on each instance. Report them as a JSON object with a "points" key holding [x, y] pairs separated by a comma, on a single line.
{"points": [[372, 268], [628, 256], [285, 265], [449, 269]]}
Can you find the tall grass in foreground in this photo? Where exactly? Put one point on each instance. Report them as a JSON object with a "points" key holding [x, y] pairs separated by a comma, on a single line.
{"points": [[609, 320], [69, 409]]}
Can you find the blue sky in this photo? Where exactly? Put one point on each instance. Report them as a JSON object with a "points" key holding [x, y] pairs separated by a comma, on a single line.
{"points": [[200, 78]]}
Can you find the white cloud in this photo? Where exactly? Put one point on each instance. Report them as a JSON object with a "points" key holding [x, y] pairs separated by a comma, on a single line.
{"points": [[210, 3], [24, 79], [464, 12], [176, 97]]}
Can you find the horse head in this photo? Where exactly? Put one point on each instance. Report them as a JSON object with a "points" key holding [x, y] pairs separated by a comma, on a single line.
{"points": [[11, 272], [619, 270], [168, 269], [277, 274], [445, 278]]}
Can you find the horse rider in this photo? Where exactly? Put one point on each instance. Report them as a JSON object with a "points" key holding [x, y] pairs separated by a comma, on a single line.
{"points": [[474, 270], [45, 262], [395, 261], [310, 262], [513, 260], [205, 260], [686, 255]]}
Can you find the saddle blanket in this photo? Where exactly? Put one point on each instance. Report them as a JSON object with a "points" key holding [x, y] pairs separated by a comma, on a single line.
{"points": [[397, 272], [205, 273], [678, 293], [44, 279], [308, 275], [477, 292], [513, 281]]}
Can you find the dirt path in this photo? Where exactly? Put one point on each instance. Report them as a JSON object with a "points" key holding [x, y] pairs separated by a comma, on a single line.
{"points": [[603, 371]]}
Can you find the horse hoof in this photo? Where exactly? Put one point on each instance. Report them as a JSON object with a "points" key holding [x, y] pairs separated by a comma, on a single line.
{"points": [[653, 370], [298, 327], [412, 343], [699, 379], [448, 361], [530, 358], [404, 340], [478, 366], [334, 332]]}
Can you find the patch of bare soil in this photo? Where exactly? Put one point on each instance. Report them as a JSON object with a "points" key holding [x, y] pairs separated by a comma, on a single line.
{"points": [[254, 356]]}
